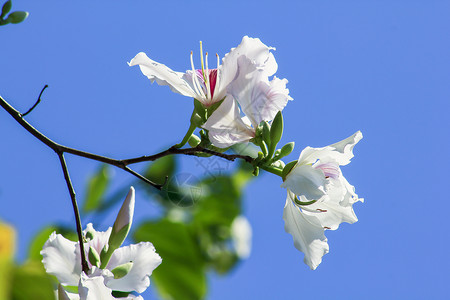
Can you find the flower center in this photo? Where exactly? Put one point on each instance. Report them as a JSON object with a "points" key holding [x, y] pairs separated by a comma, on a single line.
{"points": [[330, 169], [204, 80]]}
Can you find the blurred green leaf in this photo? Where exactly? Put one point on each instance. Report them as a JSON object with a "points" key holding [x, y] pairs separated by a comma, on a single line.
{"points": [[17, 17], [96, 189], [161, 168], [181, 275], [31, 282], [6, 8], [38, 242]]}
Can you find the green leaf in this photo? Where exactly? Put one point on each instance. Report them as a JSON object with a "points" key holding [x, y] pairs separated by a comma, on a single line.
{"points": [[17, 17], [31, 282], [181, 275], [161, 168], [6, 8], [38, 242], [96, 189]]}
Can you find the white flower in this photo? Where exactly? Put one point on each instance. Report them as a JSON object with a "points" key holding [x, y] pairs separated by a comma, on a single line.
{"points": [[135, 263], [208, 85], [259, 99], [319, 197]]}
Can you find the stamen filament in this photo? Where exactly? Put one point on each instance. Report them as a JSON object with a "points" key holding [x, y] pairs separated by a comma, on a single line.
{"points": [[201, 58], [195, 82], [207, 82]]}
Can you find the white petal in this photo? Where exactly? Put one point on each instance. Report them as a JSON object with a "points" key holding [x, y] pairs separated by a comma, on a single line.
{"points": [[225, 126], [162, 75], [60, 259], [306, 181], [331, 210], [259, 99], [93, 288], [307, 233], [345, 147], [144, 259], [253, 49]]}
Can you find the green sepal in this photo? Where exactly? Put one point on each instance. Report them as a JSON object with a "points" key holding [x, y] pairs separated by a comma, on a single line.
{"points": [[200, 110], [94, 257], [17, 17], [122, 270], [287, 169], [276, 131], [115, 241], [194, 141], [6, 8]]}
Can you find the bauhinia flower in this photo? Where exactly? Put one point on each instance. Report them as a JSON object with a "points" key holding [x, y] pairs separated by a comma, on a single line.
{"points": [[112, 268], [208, 85], [258, 98], [319, 197]]}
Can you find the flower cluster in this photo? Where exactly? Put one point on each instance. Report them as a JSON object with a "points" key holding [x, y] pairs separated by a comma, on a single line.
{"points": [[240, 102], [111, 267]]}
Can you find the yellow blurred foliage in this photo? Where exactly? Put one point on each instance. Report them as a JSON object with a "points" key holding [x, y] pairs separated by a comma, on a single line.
{"points": [[7, 241]]}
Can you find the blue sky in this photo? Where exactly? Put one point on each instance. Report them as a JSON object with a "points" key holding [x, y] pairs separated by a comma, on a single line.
{"points": [[381, 67]]}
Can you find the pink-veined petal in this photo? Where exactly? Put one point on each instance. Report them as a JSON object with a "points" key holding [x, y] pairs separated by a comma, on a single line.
{"points": [[144, 259], [162, 74], [258, 98], [225, 126], [307, 232]]}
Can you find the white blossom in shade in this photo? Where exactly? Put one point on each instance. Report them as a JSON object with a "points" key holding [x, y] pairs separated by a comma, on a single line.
{"points": [[319, 197], [241, 233], [208, 85], [259, 99]]}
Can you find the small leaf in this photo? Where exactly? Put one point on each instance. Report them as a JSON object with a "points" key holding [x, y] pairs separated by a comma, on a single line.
{"points": [[96, 189], [6, 8], [17, 17]]}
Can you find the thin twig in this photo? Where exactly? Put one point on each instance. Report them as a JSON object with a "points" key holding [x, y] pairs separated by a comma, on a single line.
{"points": [[84, 264], [37, 102]]}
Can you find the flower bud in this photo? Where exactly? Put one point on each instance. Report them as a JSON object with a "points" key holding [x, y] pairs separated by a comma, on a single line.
{"points": [[94, 257], [17, 17], [276, 131], [287, 169], [122, 270], [194, 141], [6, 8]]}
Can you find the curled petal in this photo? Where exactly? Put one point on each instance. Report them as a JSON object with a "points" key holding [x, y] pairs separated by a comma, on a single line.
{"points": [[307, 232], [144, 259], [162, 74], [225, 126], [306, 181], [345, 147], [60, 259]]}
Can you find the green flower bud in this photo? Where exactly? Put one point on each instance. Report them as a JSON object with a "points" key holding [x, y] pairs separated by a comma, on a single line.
{"points": [[286, 149], [276, 131], [6, 8], [94, 257], [194, 141], [17, 17], [122, 270], [266, 132], [256, 171]]}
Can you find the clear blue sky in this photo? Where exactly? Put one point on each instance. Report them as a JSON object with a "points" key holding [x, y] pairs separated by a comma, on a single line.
{"points": [[381, 67]]}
